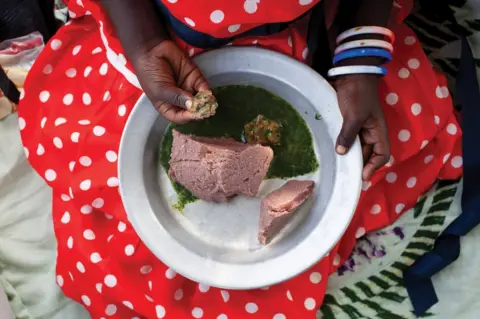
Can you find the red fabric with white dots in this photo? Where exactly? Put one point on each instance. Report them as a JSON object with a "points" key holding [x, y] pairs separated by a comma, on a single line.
{"points": [[77, 98]]}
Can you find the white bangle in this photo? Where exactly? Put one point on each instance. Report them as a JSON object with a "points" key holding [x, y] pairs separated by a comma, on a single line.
{"points": [[356, 69], [366, 30], [364, 44]]}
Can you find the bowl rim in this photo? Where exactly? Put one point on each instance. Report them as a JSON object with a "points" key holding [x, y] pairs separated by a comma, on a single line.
{"points": [[235, 276]]}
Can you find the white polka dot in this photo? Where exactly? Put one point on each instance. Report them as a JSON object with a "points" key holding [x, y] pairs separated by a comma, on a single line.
{"points": [[84, 122], [442, 92], [65, 197], [42, 122], [424, 143], [95, 258], [103, 69], [21, 123], [85, 185], [86, 301], [197, 312], [190, 22], [290, 41], [391, 99], [122, 110], [160, 311], [47, 69], [360, 232], [255, 42], [217, 16], [289, 295], [170, 273], [376, 209], [309, 304], [88, 234], [86, 99], [26, 151], [60, 280], [391, 177], [403, 73], [305, 2], [80, 267], [413, 64], [65, 218], [412, 181], [97, 50], [59, 121], [250, 6], [416, 109], [87, 71], [446, 157], [315, 277], [109, 238], [225, 295], [178, 294], [70, 242], [112, 182], [107, 216], [452, 129], [203, 288], [98, 203], [279, 316], [234, 28], [336, 260], [40, 150], [457, 161], [111, 156], [71, 166], [129, 250], [71, 276], [44, 96], [111, 310], [128, 304], [110, 281], [22, 94], [71, 73], [107, 96], [222, 316], [404, 135], [436, 119], [57, 142], [428, 159], [251, 307], [71, 14], [85, 160], [399, 208], [50, 175], [146, 269], [76, 49], [366, 185], [121, 227], [70, 191], [409, 40], [68, 99], [55, 44], [191, 52], [98, 130]]}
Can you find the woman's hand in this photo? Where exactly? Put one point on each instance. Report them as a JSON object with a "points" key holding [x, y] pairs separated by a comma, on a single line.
{"points": [[169, 79], [362, 115]]}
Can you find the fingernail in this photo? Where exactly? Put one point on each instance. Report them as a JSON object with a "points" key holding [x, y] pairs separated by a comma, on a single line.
{"points": [[341, 149], [189, 104]]}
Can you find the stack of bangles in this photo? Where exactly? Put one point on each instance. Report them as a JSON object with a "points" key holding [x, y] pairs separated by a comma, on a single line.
{"points": [[362, 48]]}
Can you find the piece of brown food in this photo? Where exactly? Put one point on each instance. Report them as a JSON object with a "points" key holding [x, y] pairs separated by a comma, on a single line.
{"points": [[263, 131], [278, 207], [215, 169], [204, 104]]}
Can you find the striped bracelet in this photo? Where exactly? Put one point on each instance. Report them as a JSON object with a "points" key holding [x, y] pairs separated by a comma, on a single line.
{"points": [[356, 69], [362, 52], [364, 44], [366, 30]]}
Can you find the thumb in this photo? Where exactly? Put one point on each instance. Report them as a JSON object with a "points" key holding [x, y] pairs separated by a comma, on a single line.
{"points": [[174, 96], [350, 128]]}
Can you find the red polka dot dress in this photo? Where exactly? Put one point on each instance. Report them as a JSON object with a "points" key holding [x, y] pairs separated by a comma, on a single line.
{"points": [[77, 99]]}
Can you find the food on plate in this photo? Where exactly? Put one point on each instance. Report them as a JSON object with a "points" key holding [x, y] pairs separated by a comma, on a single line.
{"points": [[218, 168], [278, 207], [204, 104], [263, 131]]}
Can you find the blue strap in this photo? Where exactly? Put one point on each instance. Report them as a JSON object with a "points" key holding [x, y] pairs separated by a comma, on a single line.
{"points": [[417, 278], [363, 52]]}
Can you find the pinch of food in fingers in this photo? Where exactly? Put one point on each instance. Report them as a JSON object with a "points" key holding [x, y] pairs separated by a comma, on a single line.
{"points": [[203, 105]]}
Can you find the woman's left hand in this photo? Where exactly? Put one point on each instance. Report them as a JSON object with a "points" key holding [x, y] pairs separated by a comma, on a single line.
{"points": [[362, 115]]}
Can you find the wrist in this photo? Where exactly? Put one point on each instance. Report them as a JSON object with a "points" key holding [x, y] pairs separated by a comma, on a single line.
{"points": [[357, 79]]}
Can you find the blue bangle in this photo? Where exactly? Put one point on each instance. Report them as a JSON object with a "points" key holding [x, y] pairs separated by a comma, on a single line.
{"points": [[363, 52]]}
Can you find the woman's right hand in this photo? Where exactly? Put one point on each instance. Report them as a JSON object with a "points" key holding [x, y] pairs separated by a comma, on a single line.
{"points": [[169, 79]]}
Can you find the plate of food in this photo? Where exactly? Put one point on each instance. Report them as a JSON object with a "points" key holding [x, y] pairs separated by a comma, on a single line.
{"points": [[253, 195]]}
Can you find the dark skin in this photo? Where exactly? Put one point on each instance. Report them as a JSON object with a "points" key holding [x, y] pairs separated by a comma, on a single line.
{"points": [[169, 78]]}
